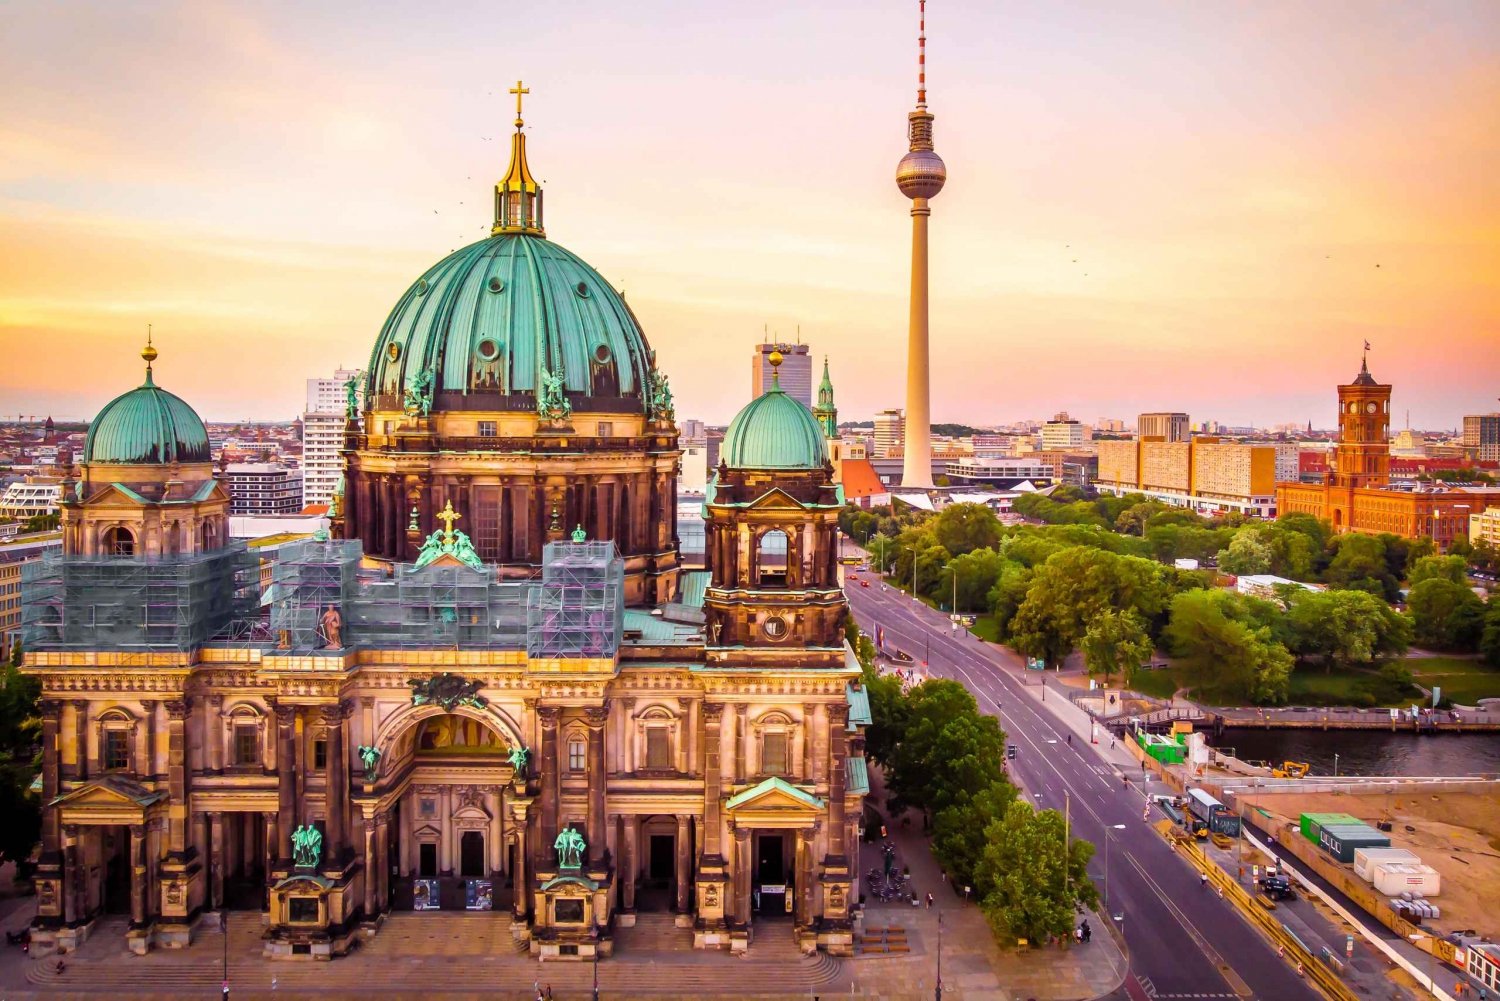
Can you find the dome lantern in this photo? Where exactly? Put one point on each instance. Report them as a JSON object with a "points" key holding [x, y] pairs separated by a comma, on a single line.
{"points": [[518, 198]]}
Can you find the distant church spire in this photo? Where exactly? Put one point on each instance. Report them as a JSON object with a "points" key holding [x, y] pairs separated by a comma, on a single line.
{"points": [[518, 198], [826, 413]]}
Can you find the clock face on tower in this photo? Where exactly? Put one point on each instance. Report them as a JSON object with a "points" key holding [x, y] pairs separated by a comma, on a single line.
{"points": [[1370, 407]]}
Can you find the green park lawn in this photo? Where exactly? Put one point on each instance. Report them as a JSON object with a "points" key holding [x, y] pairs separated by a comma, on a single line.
{"points": [[1463, 681]]}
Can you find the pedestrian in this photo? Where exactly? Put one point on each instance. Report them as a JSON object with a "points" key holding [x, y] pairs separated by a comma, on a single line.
{"points": [[1299, 969], [929, 900], [1088, 933], [1203, 879], [1221, 893]]}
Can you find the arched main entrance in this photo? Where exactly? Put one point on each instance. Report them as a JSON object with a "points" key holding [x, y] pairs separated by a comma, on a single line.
{"points": [[448, 831]]}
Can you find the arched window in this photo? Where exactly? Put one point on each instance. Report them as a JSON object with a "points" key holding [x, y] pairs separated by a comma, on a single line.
{"points": [[775, 730], [770, 559], [119, 541]]}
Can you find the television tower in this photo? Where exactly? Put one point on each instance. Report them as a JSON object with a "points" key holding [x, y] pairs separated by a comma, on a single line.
{"points": [[920, 176]]}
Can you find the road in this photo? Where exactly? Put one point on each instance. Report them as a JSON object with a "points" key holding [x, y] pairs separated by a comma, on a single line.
{"points": [[1184, 942]]}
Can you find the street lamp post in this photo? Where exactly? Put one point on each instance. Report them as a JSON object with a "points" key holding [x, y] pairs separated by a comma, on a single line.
{"points": [[1335, 764], [938, 991]]}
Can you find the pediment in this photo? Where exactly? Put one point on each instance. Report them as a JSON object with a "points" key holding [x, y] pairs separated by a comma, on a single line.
{"points": [[109, 793], [428, 831], [775, 796], [115, 493], [776, 499]]}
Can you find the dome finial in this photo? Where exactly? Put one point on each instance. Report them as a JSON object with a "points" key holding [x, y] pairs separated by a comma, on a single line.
{"points": [[776, 359], [149, 353], [518, 198]]}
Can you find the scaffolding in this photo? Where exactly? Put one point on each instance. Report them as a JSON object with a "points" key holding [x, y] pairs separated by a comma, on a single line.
{"points": [[135, 603], [308, 578], [578, 609], [441, 606]]}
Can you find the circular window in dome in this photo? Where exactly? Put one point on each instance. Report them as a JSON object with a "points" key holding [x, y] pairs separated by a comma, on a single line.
{"points": [[421, 286], [496, 285], [774, 627], [582, 290], [488, 348], [601, 354], [393, 352]]}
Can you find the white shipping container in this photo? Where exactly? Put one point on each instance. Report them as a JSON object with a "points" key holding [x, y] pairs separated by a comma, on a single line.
{"points": [[1363, 857], [1393, 878]]}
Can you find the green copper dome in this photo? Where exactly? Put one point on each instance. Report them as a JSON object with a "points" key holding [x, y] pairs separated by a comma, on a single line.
{"points": [[147, 425], [774, 432], [487, 319]]}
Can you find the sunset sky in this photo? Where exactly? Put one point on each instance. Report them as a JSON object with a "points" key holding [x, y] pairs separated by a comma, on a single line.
{"points": [[1204, 207]]}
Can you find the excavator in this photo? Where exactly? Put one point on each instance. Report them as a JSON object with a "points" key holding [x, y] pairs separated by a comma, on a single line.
{"points": [[1290, 770]]}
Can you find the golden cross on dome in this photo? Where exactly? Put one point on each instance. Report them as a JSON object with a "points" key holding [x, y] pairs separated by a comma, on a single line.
{"points": [[448, 516], [519, 91]]}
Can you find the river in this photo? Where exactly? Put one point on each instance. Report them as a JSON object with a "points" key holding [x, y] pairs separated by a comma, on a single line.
{"points": [[1370, 752]]}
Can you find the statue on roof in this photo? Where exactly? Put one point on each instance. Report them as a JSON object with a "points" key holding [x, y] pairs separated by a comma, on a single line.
{"points": [[417, 401], [351, 397], [370, 755], [307, 846], [447, 541], [518, 757], [551, 399], [659, 405]]}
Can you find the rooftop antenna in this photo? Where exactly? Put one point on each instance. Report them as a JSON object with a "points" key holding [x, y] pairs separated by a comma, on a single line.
{"points": [[922, 55]]}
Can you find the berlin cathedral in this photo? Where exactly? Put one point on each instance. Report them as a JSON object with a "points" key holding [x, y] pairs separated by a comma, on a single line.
{"points": [[491, 685]]}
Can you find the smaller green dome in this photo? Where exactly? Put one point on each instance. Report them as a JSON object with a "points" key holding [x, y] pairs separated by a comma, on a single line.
{"points": [[147, 426], [774, 432]]}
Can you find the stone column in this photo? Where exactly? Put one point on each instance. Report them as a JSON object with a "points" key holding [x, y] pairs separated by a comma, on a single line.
{"points": [[521, 878], [742, 866], [741, 738], [803, 861], [217, 861], [838, 718], [137, 876], [73, 873], [286, 780], [684, 862], [177, 779], [713, 745], [372, 869], [596, 718], [628, 861], [148, 709], [382, 862], [336, 784], [81, 738], [51, 710], [548, 763]]}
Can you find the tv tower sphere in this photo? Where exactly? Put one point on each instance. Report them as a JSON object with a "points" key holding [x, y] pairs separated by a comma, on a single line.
{"points": [[921, 174]]}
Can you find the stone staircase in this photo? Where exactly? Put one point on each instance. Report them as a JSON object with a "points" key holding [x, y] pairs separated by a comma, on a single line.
{"points": [[654, 931], [450, 954]]}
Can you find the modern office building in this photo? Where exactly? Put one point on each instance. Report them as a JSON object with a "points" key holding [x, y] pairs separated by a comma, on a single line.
{"points": [[13, 556], [890, 433], [1482, 435], [1165, 426], [795, 373], [33, 496], [263, 488], [1202, 473], [1484, 526], [1001, 474], [1062, 433]]}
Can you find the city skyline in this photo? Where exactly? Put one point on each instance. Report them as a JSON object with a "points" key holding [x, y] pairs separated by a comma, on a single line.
{"points": [[1250, 196]]}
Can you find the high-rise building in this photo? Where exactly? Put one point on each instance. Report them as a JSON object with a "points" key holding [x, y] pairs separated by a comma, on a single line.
{"points": [[1484, 526], [920, 175], [1482, 434], [13, 556], [1063, 432], [890, 431], [1166, 426], [323, 425], [795, 373], [1202, 473]]}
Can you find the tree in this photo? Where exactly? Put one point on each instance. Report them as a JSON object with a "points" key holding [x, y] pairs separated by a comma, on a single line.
{"points": [[1451, 568], [1116, 643], [1074, 586], [963, 528], [1445, 615], [20, 731], [1315, 529], [1248, 553], [1225, 643], [1360, 564], [929, 573], [1345, 628], [947, 749], [958, 832], [976, 573], [1489, 641], [1032, 882]]}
